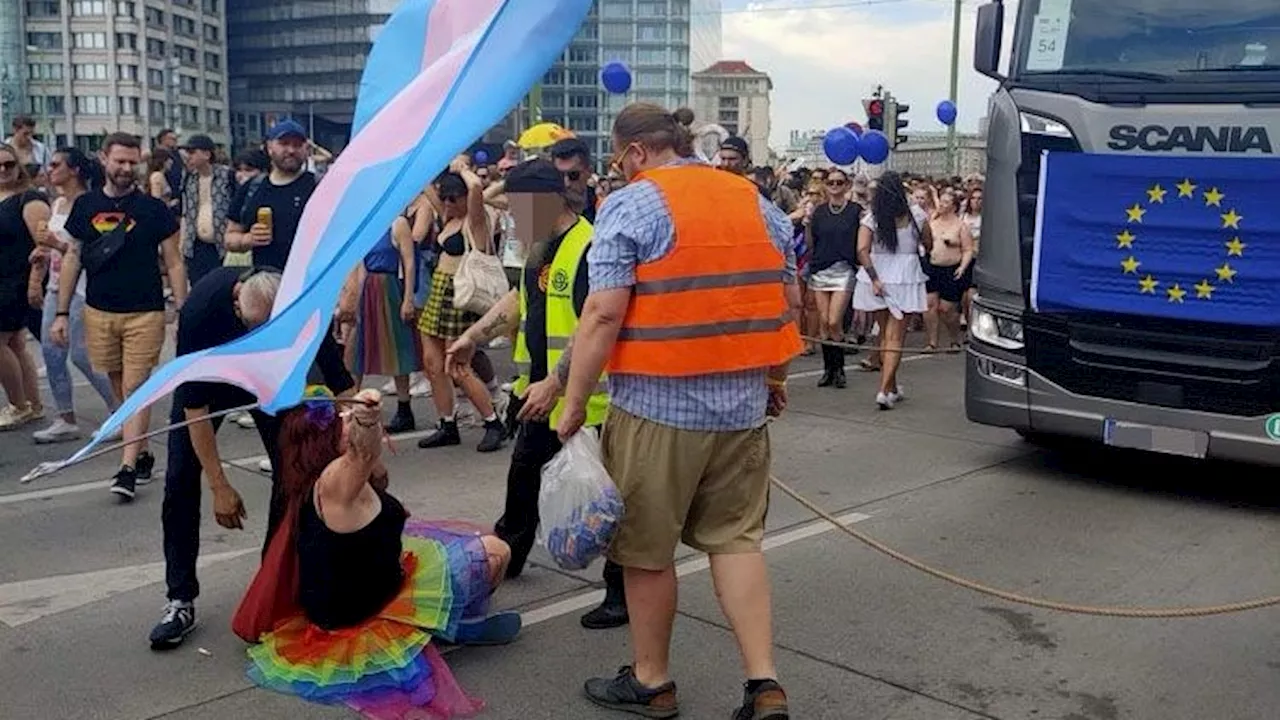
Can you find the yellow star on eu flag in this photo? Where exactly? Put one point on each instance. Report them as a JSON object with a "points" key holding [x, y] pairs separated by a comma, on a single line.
{"points": [[1232, 219], [1226, 273], [1148, 284], [1156, 194], [1186, 188], [1235, 247], [1135, 213], [1204, 291], [1213, 197], [1125, 239], [1176, 293], [1130, 265]]}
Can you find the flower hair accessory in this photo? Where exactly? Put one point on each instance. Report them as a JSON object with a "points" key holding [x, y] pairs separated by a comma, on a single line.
{"points": [[320, 407]]}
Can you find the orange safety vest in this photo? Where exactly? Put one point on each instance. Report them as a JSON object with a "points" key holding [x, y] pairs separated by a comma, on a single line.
{"points": [[715, 303]]}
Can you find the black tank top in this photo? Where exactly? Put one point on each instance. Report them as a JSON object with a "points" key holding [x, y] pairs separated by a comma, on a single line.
{"points": [[347, 578]]}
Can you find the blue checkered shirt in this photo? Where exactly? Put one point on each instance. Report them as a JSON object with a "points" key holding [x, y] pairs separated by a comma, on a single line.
{"points": [[634, 226]]}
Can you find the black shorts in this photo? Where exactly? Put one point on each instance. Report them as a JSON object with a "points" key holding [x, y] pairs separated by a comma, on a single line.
{"points": [[943, 281]]}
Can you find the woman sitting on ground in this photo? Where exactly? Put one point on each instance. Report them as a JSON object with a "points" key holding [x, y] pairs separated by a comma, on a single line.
{"points": [[373, 588]]}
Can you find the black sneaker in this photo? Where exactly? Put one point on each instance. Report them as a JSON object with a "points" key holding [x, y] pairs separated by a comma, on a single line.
{"points": [[144, 466], [766, 702], [403, 422], [444, 435], [175, 625], [494, 436], [126, 484], [625, 693]]}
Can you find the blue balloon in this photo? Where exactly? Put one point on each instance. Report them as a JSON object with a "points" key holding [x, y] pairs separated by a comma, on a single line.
{"points": [[874, 147], [947, 112], [481, 157], [615, 77], [841, 145]]}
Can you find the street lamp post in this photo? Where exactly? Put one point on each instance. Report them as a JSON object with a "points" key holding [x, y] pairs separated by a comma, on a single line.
{"points": [[955, 86]]}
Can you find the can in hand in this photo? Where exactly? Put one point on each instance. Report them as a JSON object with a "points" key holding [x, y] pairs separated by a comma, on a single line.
{"points": [[264, 216]]}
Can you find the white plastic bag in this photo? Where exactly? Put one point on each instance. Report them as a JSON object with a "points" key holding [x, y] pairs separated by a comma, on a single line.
{"points": [[579, 505]]}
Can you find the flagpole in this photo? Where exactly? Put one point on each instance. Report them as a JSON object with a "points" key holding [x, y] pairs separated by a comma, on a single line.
{"points": [[955, 86]]}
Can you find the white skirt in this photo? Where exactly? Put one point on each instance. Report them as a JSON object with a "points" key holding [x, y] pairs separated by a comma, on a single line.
{"points": [[906, 297], [837, 278]]}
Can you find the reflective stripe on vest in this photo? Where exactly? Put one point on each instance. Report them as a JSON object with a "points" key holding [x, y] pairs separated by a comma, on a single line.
{"points": [[561, 322], [716, 301]]}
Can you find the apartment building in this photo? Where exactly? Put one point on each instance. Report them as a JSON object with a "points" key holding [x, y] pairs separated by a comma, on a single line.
{"points": [[86, 68]]}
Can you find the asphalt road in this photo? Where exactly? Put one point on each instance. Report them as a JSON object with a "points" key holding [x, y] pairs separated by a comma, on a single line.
{"points": [[858, 635]]}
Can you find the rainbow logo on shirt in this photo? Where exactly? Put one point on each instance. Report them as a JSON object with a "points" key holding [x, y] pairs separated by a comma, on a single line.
{"points": [[105, 222]]}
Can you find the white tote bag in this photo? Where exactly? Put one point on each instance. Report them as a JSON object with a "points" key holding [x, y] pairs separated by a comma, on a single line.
{"points": [[480, 281]]}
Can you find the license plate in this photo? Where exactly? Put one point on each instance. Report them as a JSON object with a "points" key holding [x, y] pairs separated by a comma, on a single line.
{"points": [[1171, 441]]}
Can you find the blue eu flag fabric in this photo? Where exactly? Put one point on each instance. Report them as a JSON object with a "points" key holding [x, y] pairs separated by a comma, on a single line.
{"points": [[1188, 238]]}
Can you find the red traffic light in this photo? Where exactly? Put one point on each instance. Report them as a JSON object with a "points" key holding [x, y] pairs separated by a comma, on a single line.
{"points": [[875, 108]]}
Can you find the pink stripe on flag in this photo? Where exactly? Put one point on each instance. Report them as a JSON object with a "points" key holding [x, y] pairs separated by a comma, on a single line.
{"points": [[260, 372], [451, 20], [395, 130]]}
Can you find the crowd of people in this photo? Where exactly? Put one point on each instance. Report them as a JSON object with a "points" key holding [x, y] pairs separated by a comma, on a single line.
{"points": [[627, 318]]}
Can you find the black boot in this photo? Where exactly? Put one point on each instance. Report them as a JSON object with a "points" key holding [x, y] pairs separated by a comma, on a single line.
{"points": [[495, 433], [403, 421], [828, 368], [612, 612], [443, 436], [840, 381]]}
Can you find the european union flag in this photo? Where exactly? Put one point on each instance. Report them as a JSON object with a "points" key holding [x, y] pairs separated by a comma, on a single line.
{"points": [[1189, 238]]}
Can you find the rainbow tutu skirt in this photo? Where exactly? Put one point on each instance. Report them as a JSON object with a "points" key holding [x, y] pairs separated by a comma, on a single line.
{"points": [[387, 668]]}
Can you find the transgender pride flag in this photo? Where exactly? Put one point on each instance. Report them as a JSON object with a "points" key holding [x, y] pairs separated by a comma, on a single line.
{"points": [[440, 74]]}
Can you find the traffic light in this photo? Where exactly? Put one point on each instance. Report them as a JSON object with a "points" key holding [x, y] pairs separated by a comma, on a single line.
{"points": [[898, 123], [875, 113]]}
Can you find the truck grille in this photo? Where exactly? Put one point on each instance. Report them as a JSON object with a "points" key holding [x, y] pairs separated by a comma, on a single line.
{"points": [[1192, 366], [1028, 178]]}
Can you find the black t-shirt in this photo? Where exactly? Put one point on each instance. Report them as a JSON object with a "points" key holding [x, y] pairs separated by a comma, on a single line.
{"points": [[589, 212], [208, 319], [835, 236], [286, 203], [130, 282], [535, 282]]}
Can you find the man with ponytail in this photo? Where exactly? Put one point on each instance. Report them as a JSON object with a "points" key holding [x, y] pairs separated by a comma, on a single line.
{"points": [[692, 314]]}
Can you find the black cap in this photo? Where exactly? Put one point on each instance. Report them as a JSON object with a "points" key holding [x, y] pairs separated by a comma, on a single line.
{"points": [[569, 147], [736, 144], [534, 176], [199, 142]]}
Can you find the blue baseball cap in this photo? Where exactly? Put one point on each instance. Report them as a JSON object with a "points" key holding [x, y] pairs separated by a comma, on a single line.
{"points": [[285, 128]]}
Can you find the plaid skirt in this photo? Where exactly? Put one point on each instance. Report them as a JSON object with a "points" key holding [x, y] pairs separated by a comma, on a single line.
{"points": [[440, 319]]}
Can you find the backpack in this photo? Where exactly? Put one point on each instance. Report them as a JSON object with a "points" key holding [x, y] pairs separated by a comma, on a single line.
{"points": [[249, 213]]}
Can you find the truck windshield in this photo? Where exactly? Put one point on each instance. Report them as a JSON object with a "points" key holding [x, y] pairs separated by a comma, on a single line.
{"points": [[1124, 40]]}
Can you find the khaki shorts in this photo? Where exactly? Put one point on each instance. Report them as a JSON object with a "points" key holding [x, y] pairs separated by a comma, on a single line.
{"points": [[127, 343], [709, 489]]}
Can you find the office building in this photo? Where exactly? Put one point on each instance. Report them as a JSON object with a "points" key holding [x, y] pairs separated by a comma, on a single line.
{"points": [[301, 59], [86, 68], [651, 36], [736, 96], [926, 154]]}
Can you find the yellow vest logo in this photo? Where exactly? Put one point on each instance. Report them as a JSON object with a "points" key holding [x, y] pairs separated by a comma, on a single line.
{"points": [[560, 281]]}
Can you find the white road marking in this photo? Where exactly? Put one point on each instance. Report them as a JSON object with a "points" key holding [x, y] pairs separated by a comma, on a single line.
{"points": [[29, 600], [591, 598], [251, 463]]}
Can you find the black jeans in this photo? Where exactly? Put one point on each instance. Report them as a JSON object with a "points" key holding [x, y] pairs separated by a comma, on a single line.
{"points": [[536, 444], [204, 260], [180, 513]]}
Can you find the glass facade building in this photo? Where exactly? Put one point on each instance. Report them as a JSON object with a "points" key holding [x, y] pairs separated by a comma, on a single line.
{"points": [[299, 59]]}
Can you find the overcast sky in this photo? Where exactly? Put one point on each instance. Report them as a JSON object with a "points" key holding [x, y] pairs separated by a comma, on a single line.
{"points": [[824, 56]]}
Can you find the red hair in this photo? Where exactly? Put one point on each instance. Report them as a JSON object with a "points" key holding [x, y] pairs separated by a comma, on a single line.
{"points": [[306, 449]]}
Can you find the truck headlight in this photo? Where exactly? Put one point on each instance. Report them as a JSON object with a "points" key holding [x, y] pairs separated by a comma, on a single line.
{"points": [[998, 330], [1033, 124]]}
